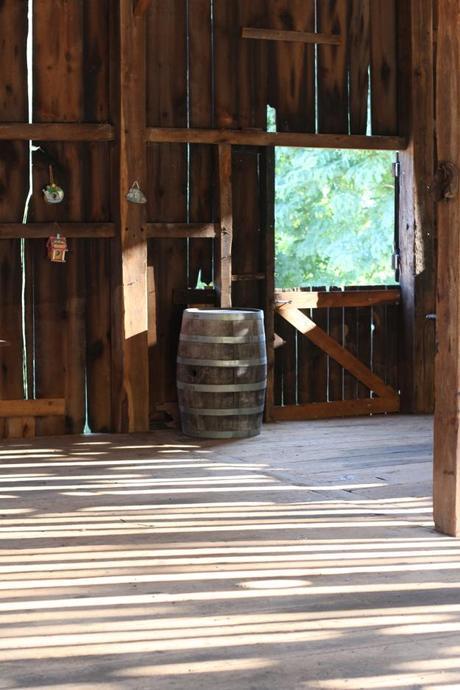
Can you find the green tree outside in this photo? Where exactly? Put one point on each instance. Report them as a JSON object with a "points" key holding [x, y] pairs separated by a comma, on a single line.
{"points": [[334, 217]]}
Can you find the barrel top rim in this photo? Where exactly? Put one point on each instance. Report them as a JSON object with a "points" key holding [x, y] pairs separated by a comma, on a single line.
{"points": [[216, 313]]}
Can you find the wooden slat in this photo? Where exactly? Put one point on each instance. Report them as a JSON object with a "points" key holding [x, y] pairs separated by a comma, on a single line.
{"points": [[44, 230], [13, 192], [59, 289], [384, 69], [332, 76], [167, 201], [318, 362], [54, 131], [267, 199], [306, 370], [335, 330], [308, 328], [290, 36], [130, 396], [253, 68], [350, 342], [202, 162], [223, 278], [345, 298], [226, 60], [446, 496], [180, 230], [292, 70], [358, 58], [340, 408], [43, 407], [417, 213], [141, 7], [364, 352], [19, 427], [258, 138]]}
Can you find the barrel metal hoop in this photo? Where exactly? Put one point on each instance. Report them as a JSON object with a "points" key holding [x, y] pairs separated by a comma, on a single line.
{"points": [[222, 362], [230, 339], [250, 316], [222, 387], [222, 412]]}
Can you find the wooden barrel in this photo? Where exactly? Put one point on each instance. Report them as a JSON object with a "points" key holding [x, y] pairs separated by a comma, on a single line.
{"points": [[222, 372]]}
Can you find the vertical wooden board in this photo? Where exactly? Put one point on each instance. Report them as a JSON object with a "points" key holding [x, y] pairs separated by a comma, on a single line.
{"points": [[286, 362], [305, 356], [319, 359], [350, 342], [336, 371], [392, 330], [267, 214], [292, 67], [58, 289], [378, 340], [332, 74], [364, 317], [384, 67], [226, 60], [253, 67], [202, 158], [358, 64], [13, 193], [167, 187], [247, 252], [97, 208]]}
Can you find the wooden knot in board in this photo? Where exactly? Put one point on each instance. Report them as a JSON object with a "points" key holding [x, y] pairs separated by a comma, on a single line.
{"points": [[445, 181]]}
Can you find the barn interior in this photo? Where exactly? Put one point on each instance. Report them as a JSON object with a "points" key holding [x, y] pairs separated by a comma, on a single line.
{"points": [[139, 149]]}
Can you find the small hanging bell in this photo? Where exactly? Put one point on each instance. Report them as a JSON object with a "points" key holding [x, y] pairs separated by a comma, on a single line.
{"points": [[57, 248], [135, 194], [52, 192]]}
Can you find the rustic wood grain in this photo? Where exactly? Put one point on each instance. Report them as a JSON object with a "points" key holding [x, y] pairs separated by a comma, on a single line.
{"points": [[383, 25], [339, 408], [223, 278], [332, 77], [358, 61]]}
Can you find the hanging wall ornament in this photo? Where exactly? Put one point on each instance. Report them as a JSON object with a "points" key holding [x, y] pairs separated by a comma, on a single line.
{"points": [[57, 248], [135, 194], [52, 192]]}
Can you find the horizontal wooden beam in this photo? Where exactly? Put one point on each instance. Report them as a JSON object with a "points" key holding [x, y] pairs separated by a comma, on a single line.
{"points": [[255, 137], [195, 296], [339, 408], [339, 354], [168, 231], [12, 231], [347, 298], [44, 407], [53, 131], [291, 36], [242, 277]]}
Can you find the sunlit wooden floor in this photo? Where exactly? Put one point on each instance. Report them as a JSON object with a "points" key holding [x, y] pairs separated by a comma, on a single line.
{"points": [[304, 558]]}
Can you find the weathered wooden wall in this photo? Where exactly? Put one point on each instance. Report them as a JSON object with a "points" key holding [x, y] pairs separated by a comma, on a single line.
{"points": [[78, 332]]}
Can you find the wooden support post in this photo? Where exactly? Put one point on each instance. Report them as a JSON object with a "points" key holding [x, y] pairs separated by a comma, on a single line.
{"points": [[268, 224], [225, 231], [130, 394], [416, 207], [447, 411]]}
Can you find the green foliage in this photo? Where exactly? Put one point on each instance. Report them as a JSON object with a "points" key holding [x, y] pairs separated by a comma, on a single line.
{"points": [[334, 217]]}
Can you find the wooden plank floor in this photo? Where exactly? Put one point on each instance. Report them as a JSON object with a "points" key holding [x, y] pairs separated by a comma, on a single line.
{"points": [[304, 558]]}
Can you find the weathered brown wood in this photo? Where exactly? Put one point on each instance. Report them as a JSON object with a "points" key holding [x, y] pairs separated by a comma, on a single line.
{"points": [[13, 193], [247, 277], [446, 423], [258, 138], [130, 397], [141, 7], [305, 366], [335, 330], [417, 215], [167, 201], [318, 360], [383, 24], [33, 408], [339, 408], [53, 131], [223, 279], [59, 289], [292, 69], [226, 60], [290, 36], [345, 298], [332, 76], [192, 296], [358, 59], [180, 230], [44, 230], [202, 158], [19, 427], [350, 343], [268, 225], [253, 68], [308, 328]]}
